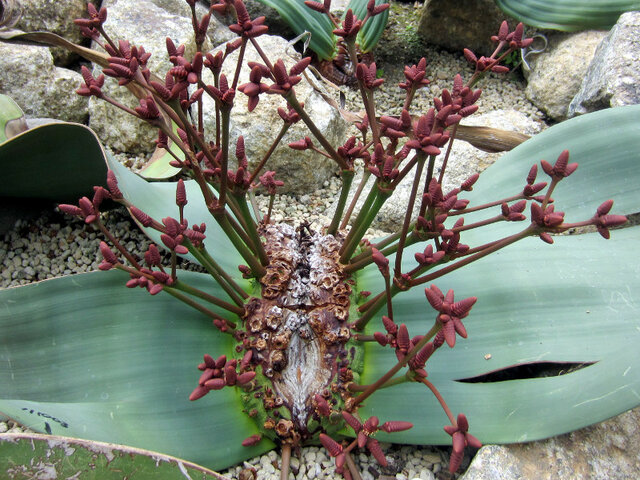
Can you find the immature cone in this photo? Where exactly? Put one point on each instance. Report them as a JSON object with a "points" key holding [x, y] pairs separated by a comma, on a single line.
{"points": [[109, 257], [381, 261], [460, 439], [333, 447], [319, 7], [322, 407], [396, 426], [374, 447], [603, 220], [181, 194], [352, 421]]}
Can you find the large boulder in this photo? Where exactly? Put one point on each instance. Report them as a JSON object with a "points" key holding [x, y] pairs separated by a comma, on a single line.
{"points": [[609, 450], [302, 171], [462, 24], [613, 77], [551, 85], [218, 31], [143, 23], [54, 16], [28, 75]]}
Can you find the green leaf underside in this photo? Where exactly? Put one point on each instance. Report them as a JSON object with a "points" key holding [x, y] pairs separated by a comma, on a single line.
{"points": [[303, 19], [11, 116], [158, 168], [118, 371], [56, 162], [32, 455], [568, 15]]}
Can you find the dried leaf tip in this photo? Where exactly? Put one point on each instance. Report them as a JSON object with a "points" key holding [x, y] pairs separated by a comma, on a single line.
{"points": [[252, 440]]}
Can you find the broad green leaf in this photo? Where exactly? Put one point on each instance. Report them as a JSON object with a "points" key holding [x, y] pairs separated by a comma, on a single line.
{"points": [[608, 169], [157, 199], [12, 120], [575, 301], [57, 162], [568, 15], [31, 455], [84, 356], [302, 19]]}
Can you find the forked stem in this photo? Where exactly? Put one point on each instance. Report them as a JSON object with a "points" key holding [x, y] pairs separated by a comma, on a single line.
{"points": [[355, 474], [396, 368], [354, 200], [347, 179], [440, 399]]}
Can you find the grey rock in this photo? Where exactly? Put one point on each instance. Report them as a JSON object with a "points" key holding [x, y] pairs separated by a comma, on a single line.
{"points": [[552, 83], [609, 450], [613, 77], [302, 171], [28, 75], [218, 32], [141, 22], [462, 24], [54, 16], [464, 161], [175, 7]]}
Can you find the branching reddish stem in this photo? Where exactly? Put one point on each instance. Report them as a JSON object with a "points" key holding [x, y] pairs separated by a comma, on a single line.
{"points": [[397, 367], [440, 399]]}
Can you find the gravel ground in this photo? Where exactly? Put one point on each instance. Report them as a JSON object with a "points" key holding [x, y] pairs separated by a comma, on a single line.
{"points": [[54, 245]]}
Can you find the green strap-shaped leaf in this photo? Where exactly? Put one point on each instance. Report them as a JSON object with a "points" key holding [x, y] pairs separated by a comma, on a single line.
{"points": [[57, 162], [302, 19], [576, 301], [568, 15], [157, 199], [84, 356], [29, 455], [607, 169]]}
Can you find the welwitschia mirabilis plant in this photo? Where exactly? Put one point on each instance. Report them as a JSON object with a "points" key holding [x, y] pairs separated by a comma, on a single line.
{"points": [[313, 334]]}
